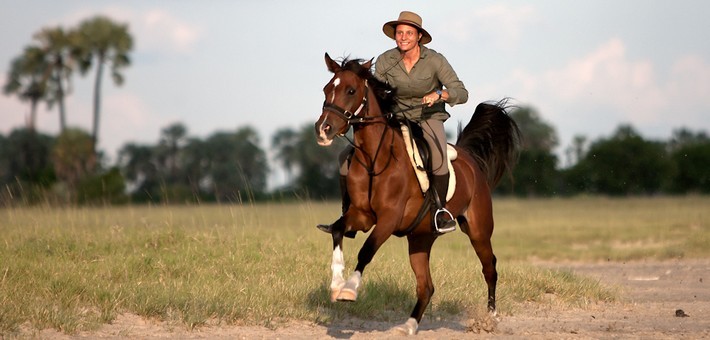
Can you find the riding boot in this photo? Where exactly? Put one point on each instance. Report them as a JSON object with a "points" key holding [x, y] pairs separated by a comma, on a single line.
{"points": [[345, 197], [443, 220]]}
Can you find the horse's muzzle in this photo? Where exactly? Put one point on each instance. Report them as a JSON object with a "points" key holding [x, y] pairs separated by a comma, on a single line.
{"points": [[324, 133]]}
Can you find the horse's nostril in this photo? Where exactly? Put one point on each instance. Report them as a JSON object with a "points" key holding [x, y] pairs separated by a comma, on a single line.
{"points": [[326, 127]]}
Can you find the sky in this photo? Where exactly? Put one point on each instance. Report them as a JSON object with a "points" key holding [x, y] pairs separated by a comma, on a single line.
{"points": [[585, 66]]}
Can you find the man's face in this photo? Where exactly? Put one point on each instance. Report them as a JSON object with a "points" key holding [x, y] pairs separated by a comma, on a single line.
{"points": [[406, 37]]}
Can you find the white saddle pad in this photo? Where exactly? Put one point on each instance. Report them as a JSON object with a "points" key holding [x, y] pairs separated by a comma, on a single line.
{"points": [[418, 164]]}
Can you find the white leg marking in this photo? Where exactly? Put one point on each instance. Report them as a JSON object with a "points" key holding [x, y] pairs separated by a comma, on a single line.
{"points": [[337, 282], [337, 267], [354, 281], [408, 328]]}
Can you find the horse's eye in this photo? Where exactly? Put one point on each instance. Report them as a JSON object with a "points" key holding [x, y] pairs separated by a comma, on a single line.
{"points": [[351, 92]]}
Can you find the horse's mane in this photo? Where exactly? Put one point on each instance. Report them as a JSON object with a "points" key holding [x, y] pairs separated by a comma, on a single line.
{"points": [[384, 93]]}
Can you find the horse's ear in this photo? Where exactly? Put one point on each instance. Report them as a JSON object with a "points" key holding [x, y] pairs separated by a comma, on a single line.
{"points": [[332, 65], [368, 64]]}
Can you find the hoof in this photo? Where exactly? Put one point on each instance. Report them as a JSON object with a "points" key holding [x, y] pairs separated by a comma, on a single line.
{"points": [[335, 289], [347, 295], [408, 328], [334, 295], [493, 314]]}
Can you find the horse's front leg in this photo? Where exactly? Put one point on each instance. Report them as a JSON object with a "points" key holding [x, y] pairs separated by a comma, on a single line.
{"points": [[378, 236], [338, 262]]}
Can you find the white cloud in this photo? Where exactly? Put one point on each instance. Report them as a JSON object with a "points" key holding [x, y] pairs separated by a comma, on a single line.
{"points": [[607, 78], [152, 29], [499, 23], [159, 28], [595, 93]]}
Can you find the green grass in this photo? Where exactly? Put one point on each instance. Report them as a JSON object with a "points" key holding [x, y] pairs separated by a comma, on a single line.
{"points": [[74, 269]]}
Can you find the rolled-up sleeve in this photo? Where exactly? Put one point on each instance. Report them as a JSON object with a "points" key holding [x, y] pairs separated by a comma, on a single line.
{"points": [[448, 78]]}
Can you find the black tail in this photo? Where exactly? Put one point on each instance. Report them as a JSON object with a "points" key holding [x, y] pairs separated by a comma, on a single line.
{"points": [[492, 138]]}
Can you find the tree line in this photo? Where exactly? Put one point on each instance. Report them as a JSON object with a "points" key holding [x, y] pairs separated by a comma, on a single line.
{"points": [[232, 166], [624, 163]]}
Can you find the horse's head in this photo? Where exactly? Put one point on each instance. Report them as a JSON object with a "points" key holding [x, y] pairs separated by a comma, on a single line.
{"points": [[345, 99]]}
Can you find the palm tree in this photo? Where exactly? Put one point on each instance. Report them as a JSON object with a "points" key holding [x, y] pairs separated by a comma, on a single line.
{"points": [[100, 41], [56, 46], [27, 79]]}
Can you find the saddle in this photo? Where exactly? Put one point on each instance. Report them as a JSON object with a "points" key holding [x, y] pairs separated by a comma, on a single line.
{"points": [[418, 151]]}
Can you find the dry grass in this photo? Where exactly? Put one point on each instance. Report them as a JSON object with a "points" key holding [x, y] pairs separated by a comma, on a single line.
{"points": [[593, 228], [76, 268]]}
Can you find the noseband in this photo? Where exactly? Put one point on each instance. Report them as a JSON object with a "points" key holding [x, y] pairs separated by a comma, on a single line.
{"points": [[349, 117]]}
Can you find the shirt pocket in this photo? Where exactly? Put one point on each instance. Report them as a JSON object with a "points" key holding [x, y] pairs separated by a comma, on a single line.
{"points": [[422, 84]]}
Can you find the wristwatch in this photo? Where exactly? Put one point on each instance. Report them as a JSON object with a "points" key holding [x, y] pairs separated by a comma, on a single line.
{"points": [[439, 93]]}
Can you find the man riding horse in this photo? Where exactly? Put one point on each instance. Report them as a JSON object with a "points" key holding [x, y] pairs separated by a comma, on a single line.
{"points": [[424, 81]]}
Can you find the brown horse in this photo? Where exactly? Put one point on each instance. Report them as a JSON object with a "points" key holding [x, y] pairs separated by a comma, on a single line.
{"points": [[385, 195]]}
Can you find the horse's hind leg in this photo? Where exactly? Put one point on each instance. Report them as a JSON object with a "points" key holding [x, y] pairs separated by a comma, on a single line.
{"points": [[419, 252], [480, 233]]}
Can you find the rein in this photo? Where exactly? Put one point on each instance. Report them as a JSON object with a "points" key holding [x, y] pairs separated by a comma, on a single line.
{"points": [[352, 118]]}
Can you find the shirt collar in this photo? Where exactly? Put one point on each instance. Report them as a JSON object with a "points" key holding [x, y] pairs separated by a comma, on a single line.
{"points": [[423, 52]]}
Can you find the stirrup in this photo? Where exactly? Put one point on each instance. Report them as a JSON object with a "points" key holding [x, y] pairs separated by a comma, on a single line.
{"points": [[448, 226]]}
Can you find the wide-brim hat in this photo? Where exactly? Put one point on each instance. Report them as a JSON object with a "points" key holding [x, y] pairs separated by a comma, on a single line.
{"points": [[407, 18]]}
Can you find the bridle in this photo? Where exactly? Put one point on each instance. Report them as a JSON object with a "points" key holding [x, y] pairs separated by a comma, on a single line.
{"points": [[350, 118]]}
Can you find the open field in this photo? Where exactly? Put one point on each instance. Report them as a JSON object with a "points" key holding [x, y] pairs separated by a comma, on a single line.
{"points": [[263, 271]]}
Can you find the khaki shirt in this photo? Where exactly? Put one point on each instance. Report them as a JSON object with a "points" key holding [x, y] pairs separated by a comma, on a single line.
{"points": [[430, 73]]}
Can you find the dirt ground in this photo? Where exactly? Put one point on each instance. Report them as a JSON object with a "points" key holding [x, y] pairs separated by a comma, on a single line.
{"points": [[668, 299]]}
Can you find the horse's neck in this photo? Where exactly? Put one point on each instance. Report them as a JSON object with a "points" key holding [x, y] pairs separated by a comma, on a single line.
{"points": [[379, 142], [369, 136]]}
